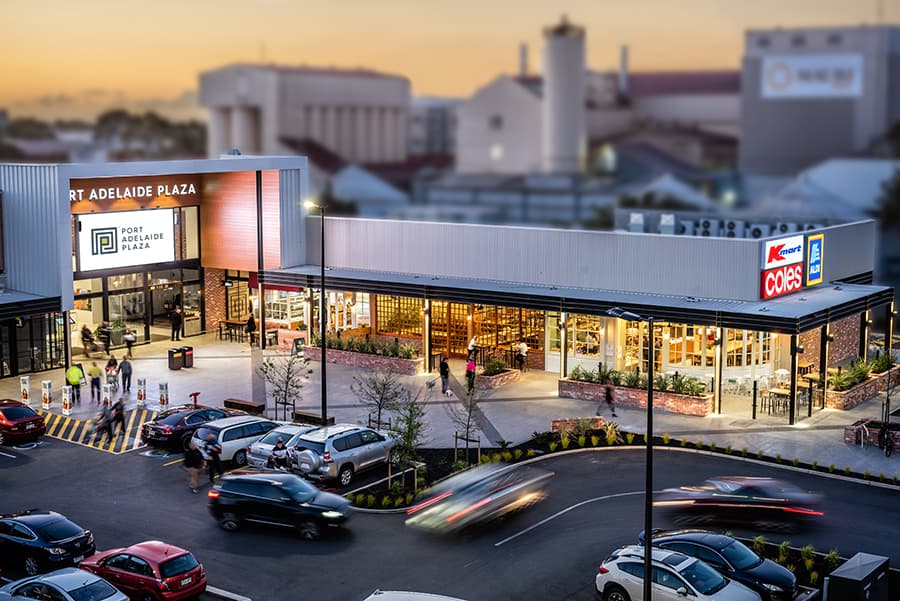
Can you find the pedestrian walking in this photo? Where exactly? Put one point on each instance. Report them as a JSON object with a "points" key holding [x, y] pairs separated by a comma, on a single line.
{"points": [[444, 370], [130, 338], [193, 463], [118, 418], [473, 346], [95, 373], [610, 402], [104, 423], [87, 340], [211, 452], [889, 444], [125, 370], [470, 375], [250, 328], [74, 376], [176, 319], [522, 355], [105, 336]]}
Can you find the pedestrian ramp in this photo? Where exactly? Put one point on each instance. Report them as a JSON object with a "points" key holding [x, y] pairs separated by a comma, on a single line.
{"points": [[81, 431]]}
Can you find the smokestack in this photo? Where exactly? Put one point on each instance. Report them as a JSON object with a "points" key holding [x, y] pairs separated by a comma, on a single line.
{"points": [[523, 59], [623, 71], [563, 130]]}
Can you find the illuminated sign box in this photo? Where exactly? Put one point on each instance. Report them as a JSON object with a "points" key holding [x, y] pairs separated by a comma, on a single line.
{"points": [[812, 76], [815, 246], [123, 239], [781, 281]]}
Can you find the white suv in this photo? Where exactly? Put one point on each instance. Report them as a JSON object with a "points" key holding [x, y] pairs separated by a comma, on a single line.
{"points": [[676, 577], [337, 452], [234, 434]]}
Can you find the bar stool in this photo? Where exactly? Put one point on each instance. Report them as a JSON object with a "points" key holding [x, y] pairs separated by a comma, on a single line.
{"points": [[765, 402]]}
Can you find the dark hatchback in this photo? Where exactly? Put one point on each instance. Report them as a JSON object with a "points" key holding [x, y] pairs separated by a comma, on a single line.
{"points": [[40, 541], [19, 423], [174, 427], [732, 559], [277, 498]]}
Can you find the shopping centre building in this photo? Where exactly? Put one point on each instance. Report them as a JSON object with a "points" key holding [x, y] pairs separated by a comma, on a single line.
{"points": [[127, 243]]}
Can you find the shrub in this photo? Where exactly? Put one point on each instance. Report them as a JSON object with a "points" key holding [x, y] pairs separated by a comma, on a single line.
{"points": [[582, 426], [866, 475], [846, 470], [496, 457], [783, 550], [564, 440], [531, 453], [542, 438], [370, 500], [459, 465], [613, 436], [398, 502], [409, 498], [728, 450], [759, 545], [712, 446], [881, 477], [815, 465], [595, 440], [831, 560], [795, 462], [633, 379], [553, 446], [808, 554], [831, 469], [582, 440], [777, 457], [881, 364], [684, 442], [507, 456], [408, 351], [666, 438], [698, 444], [517, 454], [485, 458], [661, 382], [759, 454], [629, 437], [578, 374], [395, 487], [645, 438], [744, 452], [359, 499], [813, 578], [494, 367], [386, 501]]}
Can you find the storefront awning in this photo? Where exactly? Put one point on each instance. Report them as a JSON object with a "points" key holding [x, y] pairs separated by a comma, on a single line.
{"points": [[22, 304]]}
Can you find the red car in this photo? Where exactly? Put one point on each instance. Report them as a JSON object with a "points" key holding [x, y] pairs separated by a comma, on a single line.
{"points": [[19, 423], [150, 571]]}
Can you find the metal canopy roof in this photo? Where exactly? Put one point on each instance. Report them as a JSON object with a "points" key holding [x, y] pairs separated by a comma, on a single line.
{"points": [[792, 314]]}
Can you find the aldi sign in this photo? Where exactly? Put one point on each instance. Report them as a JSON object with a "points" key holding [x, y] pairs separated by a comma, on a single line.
{"points": [[781, 252], [814, 247], [781, 281]]}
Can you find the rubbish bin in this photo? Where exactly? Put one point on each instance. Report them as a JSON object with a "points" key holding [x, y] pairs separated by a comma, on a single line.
{"points": [[176, 358], [187, 356]]}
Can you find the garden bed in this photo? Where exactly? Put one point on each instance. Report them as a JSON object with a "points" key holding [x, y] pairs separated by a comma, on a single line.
{"points": [[397, 365], [637, 397], [483, 382]]}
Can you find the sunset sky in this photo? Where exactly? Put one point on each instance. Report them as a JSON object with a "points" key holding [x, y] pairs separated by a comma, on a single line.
{"points": [[65, 59]]}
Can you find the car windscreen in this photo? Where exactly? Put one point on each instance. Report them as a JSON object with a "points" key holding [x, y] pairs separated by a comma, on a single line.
{"points": [[272, 437], [703, 578], [95, 591], [203, 433], [318, 447], [169, 418], [13, 413], [178, 565], [740, 556], [60, 529], [301, 490]]}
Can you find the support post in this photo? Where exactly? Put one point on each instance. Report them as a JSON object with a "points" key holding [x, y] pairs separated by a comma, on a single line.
{"points": [[792, 408]]}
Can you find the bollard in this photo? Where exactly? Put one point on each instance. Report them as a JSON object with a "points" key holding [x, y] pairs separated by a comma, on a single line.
{"points": [[141, 391], [754, 398], [25, 385], [107, 394], [163, 396], [809, 399], [67, 401], [46, 394]]}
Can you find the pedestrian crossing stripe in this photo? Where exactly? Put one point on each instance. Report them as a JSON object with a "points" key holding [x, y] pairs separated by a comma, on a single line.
{"points": [[81, 431]]}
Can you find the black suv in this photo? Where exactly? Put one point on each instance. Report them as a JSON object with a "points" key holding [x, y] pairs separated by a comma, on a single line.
{"points": [[731, 558], [274, 497], [41, 541], [173, 428]]}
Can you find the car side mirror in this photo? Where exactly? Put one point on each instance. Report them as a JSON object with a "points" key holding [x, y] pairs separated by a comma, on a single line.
{"points": [[682, 591]]}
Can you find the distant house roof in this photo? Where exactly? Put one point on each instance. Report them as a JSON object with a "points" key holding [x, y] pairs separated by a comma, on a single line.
{"points": [[661, 83], [318, 154], [532, 83]]}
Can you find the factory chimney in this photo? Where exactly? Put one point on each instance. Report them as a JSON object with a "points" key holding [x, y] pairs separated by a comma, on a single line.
{"points": [[563, 141]]}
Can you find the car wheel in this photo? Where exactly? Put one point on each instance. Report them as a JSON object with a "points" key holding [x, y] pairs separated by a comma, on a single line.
{"points": [[615, 593], [186, 441], [1, 437], [309, 530], [229, 522], [240, 458], [32, 567], [345, 476]]}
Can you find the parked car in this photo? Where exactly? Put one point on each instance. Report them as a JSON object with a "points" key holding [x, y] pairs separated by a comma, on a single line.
{"points": [[258, 452], [173, 428], [338, 452], [19, 423], [67, 584], [478, 495], [150, 571], [733, 559], [765, 502], [275, 497], [40, 541], [234, 434], [676, 577]]}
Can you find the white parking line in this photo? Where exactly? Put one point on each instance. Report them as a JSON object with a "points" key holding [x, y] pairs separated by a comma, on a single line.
{"points": [[566, 510], [8, 455], [217, 592]]}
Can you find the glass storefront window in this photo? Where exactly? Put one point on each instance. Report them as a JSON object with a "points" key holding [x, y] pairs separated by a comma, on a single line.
{"points": [[126, 281], [585, 334], [399, 316], [88, 286], [361, 308]]}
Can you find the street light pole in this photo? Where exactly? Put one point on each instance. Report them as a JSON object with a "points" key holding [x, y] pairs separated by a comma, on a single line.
{"points": [[322, 319], [648, 467]]}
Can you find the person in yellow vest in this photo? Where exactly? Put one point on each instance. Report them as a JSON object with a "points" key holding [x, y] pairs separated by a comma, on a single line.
{"points": [[74, 375]]}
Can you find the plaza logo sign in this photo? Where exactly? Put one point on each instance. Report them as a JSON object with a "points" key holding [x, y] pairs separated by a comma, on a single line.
{"points": [[781, 252], [782, 264], [123, 239]]}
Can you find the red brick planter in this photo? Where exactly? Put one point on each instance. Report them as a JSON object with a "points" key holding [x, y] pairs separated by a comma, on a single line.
{"points": [[863, 391], [509, 376], [637, 397], [403, 367]]}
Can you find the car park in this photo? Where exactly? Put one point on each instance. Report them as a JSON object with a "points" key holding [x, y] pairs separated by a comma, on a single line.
{"points": [[66, 584], [338, 452], [258, 452], [234, 434], [675, 578], [150, 571], [733, 559], [276, 498], [19, 423], [40, 541], [173, 428], [478, 495]]}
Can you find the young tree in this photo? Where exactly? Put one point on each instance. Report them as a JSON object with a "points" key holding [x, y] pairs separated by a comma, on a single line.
{"points": [[464, 415], [410, 413], [378, 391], [286, 375]]}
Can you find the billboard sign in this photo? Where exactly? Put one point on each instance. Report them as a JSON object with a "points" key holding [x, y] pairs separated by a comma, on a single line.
{"points": [[783, 251], [123, 239], [812, 76], [781, 281], [815, 245]]}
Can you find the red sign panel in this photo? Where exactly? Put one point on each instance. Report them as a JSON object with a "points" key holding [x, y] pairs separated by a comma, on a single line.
{"points": [[780, 281]]}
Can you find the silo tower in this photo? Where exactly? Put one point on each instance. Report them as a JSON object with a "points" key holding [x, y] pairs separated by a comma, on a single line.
{"points": [[563, 144]]}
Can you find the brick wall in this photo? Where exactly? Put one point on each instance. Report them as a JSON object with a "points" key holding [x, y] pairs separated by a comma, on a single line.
{"points": [[214, 293], [845, 346], [637, 397], [862, 391], [570, 425], [483, 382], [403, 367]]}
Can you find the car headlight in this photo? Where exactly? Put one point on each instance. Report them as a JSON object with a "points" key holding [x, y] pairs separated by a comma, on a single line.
{"points": [[56, 551], [772, 587], [331, 515]]}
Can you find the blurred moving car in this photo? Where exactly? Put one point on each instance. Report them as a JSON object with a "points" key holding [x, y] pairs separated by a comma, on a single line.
{"points": [[258, 452], [67, 584], [19, 423], [40, 541], [765, 502], [338, 452], [733, 559], [278, 498], [150, 571], [172, 429], [676, 577], [478, 495]]}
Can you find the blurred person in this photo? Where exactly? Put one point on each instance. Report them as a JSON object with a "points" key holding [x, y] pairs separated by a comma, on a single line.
{"points": [[125, 371], [522, 355], [211, 452], [470, 375], [444, 370], [176, 320], [105, 336], [279, 455], [96, 374], [87, 340], [74, 375], [130, 338], [118, 418], [193, 463]]}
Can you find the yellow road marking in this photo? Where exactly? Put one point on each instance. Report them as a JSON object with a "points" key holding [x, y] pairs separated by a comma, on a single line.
{"points": [[173, 462]]}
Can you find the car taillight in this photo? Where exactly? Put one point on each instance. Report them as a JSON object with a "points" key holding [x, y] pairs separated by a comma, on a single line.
{"points": [[4, 421], [327, 456], [213, 494], [167, 430], [163, 585], [602, 569]]}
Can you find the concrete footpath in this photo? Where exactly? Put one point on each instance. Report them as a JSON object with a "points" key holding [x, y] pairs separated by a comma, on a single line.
{"points": [[224, 369]]}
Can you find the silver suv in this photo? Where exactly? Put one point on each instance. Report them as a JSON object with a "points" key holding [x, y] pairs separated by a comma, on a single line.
{"points": [[337, 452]]}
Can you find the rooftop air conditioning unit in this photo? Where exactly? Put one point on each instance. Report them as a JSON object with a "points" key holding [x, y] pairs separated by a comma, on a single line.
{"points": [[667, 223], [708, 227], [686, 228], [636, 222], [805, 227], [733, 228], [785, 228], [759, 230]]}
